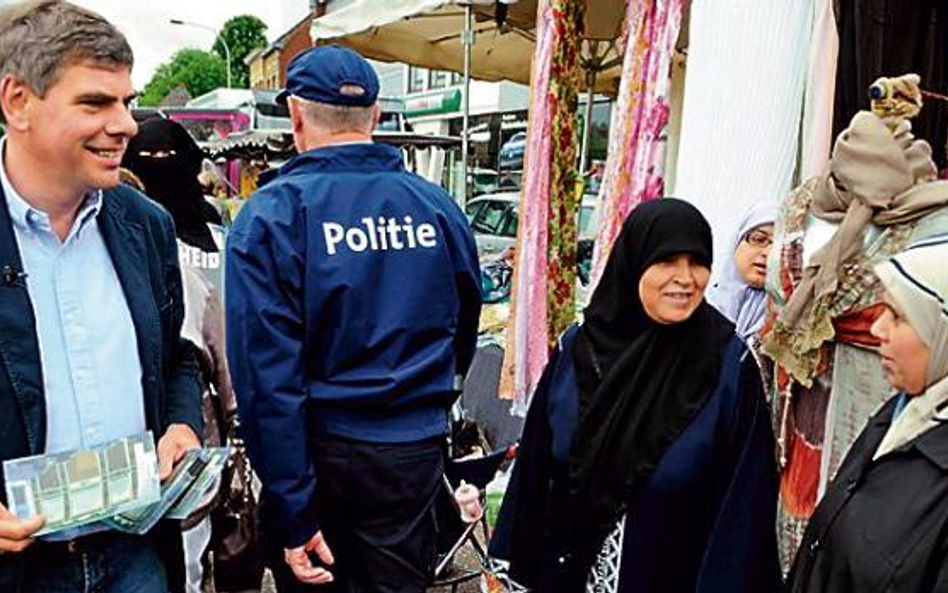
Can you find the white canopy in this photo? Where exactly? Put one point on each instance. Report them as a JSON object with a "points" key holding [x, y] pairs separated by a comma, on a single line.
{"points": [[427, 33]]}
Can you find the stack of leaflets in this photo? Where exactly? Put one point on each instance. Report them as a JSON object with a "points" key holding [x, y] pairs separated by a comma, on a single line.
{"points": [[181, 494], [115, 485]]}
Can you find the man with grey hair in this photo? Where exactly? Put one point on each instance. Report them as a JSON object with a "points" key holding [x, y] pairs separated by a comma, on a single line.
{"points": [[353, 296], [90, 293]]}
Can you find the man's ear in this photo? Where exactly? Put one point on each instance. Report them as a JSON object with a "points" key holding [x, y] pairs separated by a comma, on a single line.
{"points": [[376, 117], [16, 99], [296, 115], [296, 119]]}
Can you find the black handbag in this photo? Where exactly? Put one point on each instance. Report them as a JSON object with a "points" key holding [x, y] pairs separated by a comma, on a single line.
{"points": [[235, 543]]}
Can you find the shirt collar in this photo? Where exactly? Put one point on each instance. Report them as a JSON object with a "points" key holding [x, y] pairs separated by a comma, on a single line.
{"points": [[26, 216]]}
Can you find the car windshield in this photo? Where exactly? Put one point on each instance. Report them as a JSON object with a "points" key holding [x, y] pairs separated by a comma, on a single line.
{"points": [[488, 219], [587, 219]]}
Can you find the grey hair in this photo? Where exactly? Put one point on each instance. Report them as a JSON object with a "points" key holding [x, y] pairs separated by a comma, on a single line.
{"points": [[38, 39], [337, 118]]}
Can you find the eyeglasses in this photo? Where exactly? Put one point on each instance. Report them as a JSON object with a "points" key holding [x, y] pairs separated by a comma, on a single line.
{"points": [[759, 238]]}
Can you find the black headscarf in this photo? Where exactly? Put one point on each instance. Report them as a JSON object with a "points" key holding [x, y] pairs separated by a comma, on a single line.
{"points": [[172, 181], [641, 383]]}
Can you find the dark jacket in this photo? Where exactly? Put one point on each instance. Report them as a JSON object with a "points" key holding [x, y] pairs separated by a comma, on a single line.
{"points": [[140, 238], [704, 523], [353, 297], [882, 525]]}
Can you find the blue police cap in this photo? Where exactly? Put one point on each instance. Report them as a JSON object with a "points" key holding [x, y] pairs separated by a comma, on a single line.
{"points": [[331, 74]]}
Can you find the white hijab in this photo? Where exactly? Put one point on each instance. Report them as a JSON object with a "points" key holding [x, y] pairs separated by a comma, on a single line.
{"points": [[730, 294], [916, 279]]}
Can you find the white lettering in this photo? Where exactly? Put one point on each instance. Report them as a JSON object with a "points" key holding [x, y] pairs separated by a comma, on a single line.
{"points": [[195, 257], [409, 233], [393, 239], [381, 229], [356, 239], [381, 234], [370, 226], [333, 232], [426, 235]]}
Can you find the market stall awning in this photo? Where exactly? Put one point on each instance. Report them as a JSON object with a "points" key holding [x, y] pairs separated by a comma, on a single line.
{"points": [[278, 144], [427, 33]]}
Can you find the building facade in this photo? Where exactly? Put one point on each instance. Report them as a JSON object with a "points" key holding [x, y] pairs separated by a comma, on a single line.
{"points": [[268, 64]]}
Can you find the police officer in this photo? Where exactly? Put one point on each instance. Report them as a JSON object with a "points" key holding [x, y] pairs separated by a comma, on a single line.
{"points": [[352, 306]]}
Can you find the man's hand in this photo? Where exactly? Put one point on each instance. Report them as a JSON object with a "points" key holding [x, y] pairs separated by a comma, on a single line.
{"points": [[15, 533], [302, 566], [172, 447]]}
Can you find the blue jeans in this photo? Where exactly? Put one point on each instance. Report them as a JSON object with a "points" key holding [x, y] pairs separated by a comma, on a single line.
{"points": [[103, 563]]}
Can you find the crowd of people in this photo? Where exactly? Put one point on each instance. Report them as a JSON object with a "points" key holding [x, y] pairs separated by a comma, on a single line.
{"points": [[648, 459]]}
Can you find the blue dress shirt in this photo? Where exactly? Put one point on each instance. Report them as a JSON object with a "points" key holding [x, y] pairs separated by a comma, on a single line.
{"points": [[88, 349]]}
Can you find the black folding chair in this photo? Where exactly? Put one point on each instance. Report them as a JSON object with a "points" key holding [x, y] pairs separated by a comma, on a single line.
{"points": [[453, 533]]}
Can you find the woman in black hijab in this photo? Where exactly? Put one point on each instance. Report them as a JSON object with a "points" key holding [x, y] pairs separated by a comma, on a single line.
{"points": [[647, 456], [168, 160]]}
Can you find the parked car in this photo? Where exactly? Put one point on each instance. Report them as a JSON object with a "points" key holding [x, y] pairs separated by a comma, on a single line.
{"points": [[494, 221], [510, 156], [484, 181]]}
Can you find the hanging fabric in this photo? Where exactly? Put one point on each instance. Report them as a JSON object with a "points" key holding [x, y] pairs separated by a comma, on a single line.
{"points": [[743, 104], [634, 168], [817, 134], [542, 300], [565, 187]]}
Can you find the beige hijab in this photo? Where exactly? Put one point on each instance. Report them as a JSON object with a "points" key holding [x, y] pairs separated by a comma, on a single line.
{"points": [[916, 279], [875, 175]]}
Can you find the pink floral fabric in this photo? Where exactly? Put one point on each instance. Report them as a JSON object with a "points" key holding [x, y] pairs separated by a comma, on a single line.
{"points": [[635, 166], [542, 301]]}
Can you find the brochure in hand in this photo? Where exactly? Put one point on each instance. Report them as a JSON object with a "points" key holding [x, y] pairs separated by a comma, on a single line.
{"points": [[116, 484], [193, 476]]}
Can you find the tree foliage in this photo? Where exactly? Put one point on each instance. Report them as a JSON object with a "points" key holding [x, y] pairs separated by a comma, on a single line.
{"points": [[199, 71], [243, 34]]}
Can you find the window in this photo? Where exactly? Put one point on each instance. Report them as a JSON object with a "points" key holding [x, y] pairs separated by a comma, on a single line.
{"points": [[509, 228], [457, 78], [416, 79], [438, 79], [472, 209], [389, 121], [489, 218]]}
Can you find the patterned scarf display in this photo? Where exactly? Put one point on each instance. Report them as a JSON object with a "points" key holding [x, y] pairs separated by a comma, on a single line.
{"points": [[543, 296], [636, 145], [542, 299]]}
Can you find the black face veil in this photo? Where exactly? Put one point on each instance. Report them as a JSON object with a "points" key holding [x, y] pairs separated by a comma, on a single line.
{"points": [[168, 160]]}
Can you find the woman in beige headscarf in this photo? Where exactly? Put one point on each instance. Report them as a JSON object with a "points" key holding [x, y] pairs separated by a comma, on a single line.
{"points": [[883, 523]]}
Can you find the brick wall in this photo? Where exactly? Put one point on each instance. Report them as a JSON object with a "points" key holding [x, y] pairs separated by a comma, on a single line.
{"points": [[296, 41]]}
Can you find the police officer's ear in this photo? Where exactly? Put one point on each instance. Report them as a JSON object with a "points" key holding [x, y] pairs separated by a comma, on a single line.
{"points": [[296, 119], [296, 114], [376, 116]]}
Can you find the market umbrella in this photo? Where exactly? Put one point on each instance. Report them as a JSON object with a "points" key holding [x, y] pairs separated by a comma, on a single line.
{"points": [[427, 33], [483, 39]]}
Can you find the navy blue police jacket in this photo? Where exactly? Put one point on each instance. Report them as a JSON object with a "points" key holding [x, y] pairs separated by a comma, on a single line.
{"points": [[352, 296]]}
